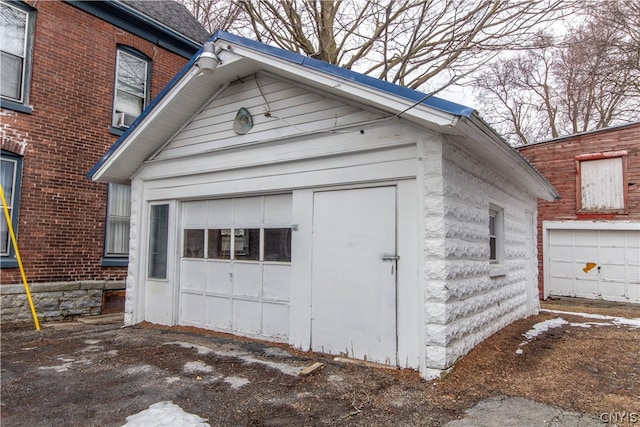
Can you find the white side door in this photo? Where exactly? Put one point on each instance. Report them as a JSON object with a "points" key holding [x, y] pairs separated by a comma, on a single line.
{"points": [[354, 274]]}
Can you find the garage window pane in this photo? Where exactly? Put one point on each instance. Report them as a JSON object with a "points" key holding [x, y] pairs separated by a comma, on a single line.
{"points": [[247, 244], [277, 244], [219, 244], [193, 244]]}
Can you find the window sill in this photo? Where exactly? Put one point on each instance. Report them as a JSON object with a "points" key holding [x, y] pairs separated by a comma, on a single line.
{"points": [[116, 131], [115, 262], [498, 271], [16, 106], [8, 262]]}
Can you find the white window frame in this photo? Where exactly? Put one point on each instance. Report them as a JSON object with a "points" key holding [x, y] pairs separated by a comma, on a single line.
{"points": [[117, 216], [25, 55], [624, 190], [122, 50], [233, 242], [151, 240], [7, 258], [496, 263]]}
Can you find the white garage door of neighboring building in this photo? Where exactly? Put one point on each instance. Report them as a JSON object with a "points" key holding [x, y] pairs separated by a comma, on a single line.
{"points": [[590, 263], [235, 265]]}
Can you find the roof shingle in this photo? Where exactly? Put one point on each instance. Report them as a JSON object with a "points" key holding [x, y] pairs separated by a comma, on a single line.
{"points": [[172, 14]]}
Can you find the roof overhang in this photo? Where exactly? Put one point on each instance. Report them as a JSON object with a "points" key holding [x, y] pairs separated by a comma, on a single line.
{"points": [[236, 57]]}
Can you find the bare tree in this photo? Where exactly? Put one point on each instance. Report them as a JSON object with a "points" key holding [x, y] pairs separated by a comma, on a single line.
{"points": [[413, 43], [521, 88], [588, 80], [213, 14]]}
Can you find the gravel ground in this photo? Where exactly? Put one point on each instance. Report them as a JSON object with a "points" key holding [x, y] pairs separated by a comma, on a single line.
{"points": [[580, 370]]}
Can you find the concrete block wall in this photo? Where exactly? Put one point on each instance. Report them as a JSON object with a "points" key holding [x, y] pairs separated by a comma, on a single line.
{"points": [[132, 291], [464, 304]]}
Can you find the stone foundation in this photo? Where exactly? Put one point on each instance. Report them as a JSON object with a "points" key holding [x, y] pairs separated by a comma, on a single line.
{"points": [[54, 301]]}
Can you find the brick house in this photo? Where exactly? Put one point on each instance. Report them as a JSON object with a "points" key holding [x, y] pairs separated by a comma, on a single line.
{"points": [[75, 75], [589, 241]]}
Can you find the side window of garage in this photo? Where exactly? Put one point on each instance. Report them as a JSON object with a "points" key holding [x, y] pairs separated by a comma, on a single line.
{"points": [[158, 239]]}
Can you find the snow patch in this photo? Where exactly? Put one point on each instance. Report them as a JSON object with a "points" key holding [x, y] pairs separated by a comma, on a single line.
{"points": [[92, 349], [236, 382], [197, 366], [59, 368], [141, 369], [165, 414], [541, 327], [621, 321], [245, 357], [200, 349]]}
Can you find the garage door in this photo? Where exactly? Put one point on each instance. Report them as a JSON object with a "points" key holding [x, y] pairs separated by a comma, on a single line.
{"points": [[602, 264], [235, 265]]}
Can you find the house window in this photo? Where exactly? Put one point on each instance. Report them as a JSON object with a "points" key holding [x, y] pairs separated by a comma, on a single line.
{"points": [[158, 241], [131, 88], [16, 23], [117, 225], [10, 176], [602, 182]]}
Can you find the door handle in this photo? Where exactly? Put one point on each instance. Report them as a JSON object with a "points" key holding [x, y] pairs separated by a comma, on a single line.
{"points": [[394, 258]]}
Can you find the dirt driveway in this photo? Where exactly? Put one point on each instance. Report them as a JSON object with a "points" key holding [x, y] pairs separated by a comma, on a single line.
{"points": [[78, 374]]}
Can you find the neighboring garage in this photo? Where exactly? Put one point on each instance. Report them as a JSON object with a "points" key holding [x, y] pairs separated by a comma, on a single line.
{"points": [[588, 240], [279, 197], [592, 260]]}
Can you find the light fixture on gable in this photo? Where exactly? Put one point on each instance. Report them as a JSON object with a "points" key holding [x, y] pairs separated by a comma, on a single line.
{"points": [[243, 121], [208, 60]]}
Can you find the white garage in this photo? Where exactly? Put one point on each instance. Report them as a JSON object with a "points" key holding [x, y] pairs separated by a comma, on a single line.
{"points": [[279, 197], [598, 260]]}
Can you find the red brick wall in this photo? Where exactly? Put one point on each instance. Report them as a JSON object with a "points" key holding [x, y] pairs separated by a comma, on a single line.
{"points": [[62, 214], [556, 161]]}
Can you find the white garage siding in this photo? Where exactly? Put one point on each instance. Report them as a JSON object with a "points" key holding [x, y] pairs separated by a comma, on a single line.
{"points": [[235, 268], [597, 260]]}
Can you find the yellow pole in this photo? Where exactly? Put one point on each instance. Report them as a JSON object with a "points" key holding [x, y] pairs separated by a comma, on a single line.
{"points": [[15, 248]]}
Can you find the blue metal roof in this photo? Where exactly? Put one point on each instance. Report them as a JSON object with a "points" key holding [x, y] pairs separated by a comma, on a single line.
{"points": [[311, 63]]}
